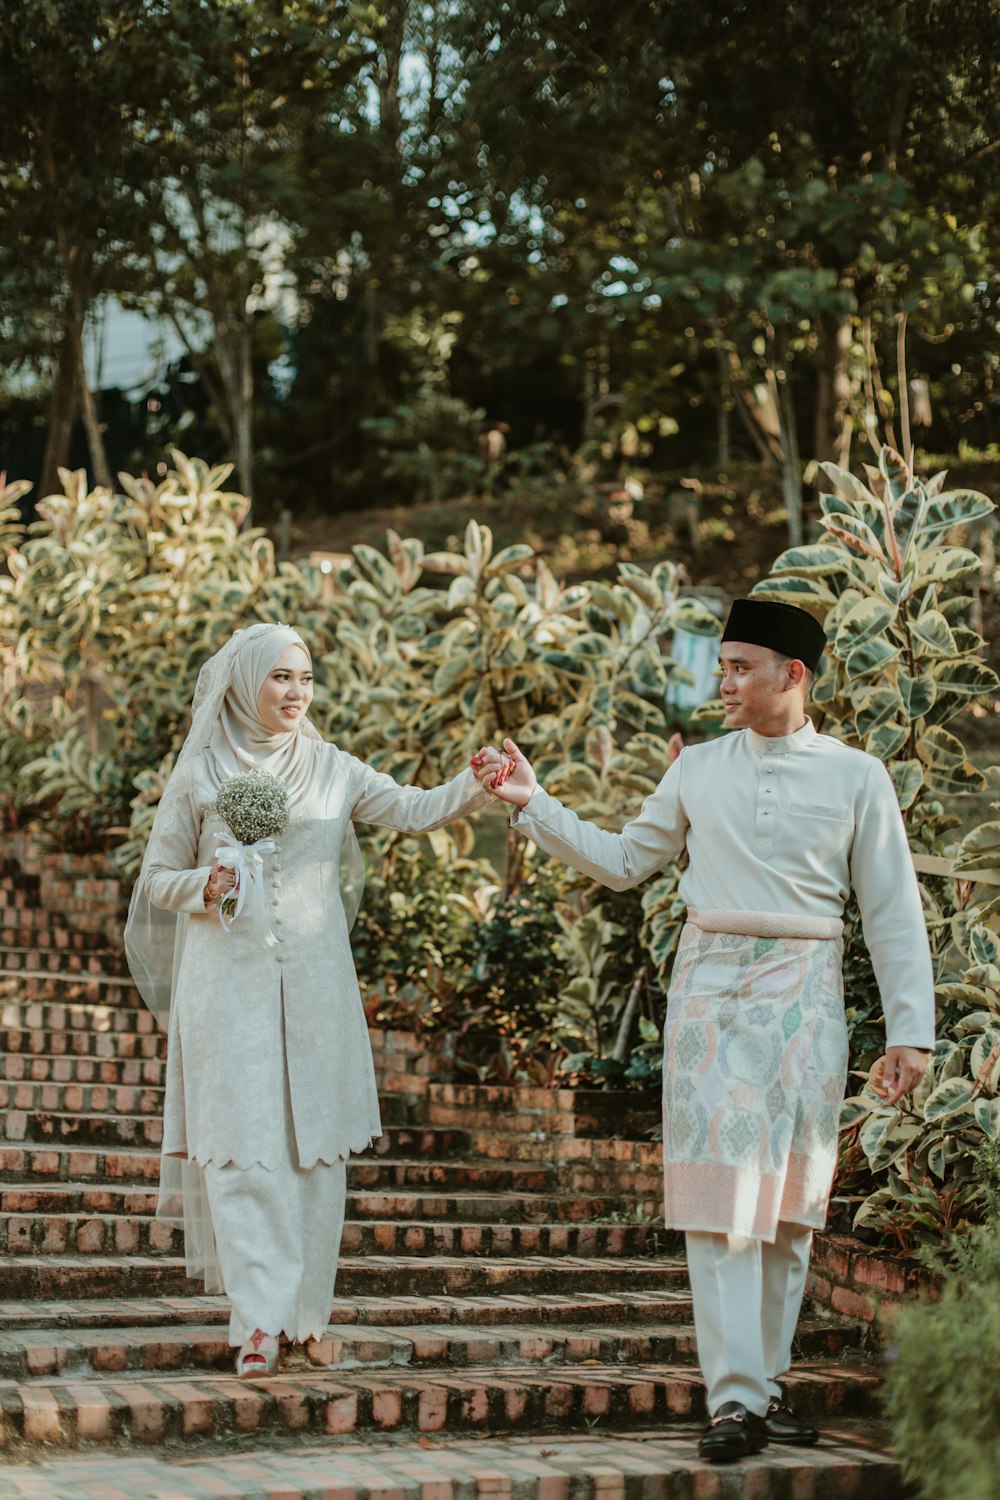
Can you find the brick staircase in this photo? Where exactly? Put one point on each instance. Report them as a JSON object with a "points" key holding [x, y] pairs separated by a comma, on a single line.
{"points": [[509, 1318]]}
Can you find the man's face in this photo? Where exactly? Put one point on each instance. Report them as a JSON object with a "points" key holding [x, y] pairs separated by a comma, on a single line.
{"points": [[753, 681]]}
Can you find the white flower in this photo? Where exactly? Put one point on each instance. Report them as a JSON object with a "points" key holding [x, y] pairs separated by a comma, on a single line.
{"points": [[253, 805]]}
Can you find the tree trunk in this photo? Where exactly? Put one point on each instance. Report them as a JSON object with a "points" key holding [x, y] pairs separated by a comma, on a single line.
{"points": [[243, 413], [791, 466], [62, 409], [724, 421], [88, 412], [833, 394]]}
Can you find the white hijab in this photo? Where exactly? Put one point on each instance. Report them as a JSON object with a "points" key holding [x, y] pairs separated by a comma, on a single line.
{"points": [[241, 741], [228, 736]]}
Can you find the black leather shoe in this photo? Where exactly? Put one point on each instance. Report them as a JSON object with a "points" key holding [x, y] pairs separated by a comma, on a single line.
{"points": [[783, 1426], [734, 1432]]}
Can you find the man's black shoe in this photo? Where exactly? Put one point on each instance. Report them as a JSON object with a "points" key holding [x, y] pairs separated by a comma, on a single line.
{"points": [[783, 1426], [732, 1433]]}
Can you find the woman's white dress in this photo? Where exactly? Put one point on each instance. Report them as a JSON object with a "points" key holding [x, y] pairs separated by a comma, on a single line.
{"points": [[270, 1079]]}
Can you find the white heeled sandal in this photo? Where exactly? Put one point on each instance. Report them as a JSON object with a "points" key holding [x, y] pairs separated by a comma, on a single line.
{"points": [[258, 1356]]}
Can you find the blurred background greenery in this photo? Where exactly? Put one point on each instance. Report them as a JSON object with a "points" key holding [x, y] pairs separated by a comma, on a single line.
{"points": [[385, 254]]}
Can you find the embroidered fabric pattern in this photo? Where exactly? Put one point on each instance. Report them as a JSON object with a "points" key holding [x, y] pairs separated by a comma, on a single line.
{"points": [[754, 1071]]}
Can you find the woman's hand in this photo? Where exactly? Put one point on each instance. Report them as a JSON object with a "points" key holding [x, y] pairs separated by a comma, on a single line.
{"points": [[221, 882], [507, 775]]}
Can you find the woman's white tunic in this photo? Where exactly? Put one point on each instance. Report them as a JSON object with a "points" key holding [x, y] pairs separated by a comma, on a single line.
{"points": [[233, 996]]}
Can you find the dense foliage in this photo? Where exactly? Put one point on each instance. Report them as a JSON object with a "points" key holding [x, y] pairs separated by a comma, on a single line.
{"points": [[113, 601], [363, 227], [945, 1415], [902, 664]]}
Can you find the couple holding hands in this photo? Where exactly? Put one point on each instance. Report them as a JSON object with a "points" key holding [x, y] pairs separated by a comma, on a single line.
{"points": [[270, 1080]]}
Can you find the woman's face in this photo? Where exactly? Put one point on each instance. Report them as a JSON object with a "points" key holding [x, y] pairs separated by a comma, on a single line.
{"points": [[287, 691]]}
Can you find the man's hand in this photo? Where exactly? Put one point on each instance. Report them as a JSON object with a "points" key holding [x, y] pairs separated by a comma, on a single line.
{"points": [[902, 1069], [509, 776]]}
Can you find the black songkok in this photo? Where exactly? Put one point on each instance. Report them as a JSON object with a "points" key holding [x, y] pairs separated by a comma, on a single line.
{"points": [[781, 627]]}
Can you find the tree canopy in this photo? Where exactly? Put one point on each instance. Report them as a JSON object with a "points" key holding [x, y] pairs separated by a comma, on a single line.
{"points": [[373, 227]]}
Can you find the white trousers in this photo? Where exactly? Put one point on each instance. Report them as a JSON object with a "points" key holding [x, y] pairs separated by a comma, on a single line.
{"points": [[278, 1235], [747, 1296]]}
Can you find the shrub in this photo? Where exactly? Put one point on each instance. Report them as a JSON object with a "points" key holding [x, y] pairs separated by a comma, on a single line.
{"points": [[941, 1393], [902, 664]]}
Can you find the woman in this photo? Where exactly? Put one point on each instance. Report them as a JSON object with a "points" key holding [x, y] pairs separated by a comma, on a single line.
{"points": [[270, 1080]]}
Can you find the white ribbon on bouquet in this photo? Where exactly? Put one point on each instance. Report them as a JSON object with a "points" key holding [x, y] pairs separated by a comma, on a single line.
{"points": [[246, 862]]}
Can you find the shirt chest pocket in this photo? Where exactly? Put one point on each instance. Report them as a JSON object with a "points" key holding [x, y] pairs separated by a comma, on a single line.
{"points": [[823, 828]]}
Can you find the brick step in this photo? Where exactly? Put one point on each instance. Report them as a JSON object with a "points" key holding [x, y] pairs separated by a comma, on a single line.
{"points": [[618, 1308], [53, 1017], [44, 1165], [34, 1164], [467, 1207], [39, 1127], [342, 1402], [40, 1355], [40, 952], [67, 986], [44, 1127], [99, 1098], [82, 1098], [60, 1277], [18, 1067], [580, 1113], [19, 1041], [137, 1234], [593, 1466]]}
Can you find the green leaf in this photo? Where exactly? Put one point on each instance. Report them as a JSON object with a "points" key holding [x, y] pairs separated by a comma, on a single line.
{"points": [[934, 633], [955, 508], [971, 679], [507, 556], [895, 473], [887, 740], [377, 569], [918, 694], [450, 672], [862, 623], [906, 517], [872, 656], [854, 1109], [907, 778], [980, 848], [984, 946], [944, 564], [874, 707], [847, 486], [948, 1099], [986, 1113], [791, 590], [817, 558]]}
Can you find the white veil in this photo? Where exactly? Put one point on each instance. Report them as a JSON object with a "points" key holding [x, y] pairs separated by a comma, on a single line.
{"points": [[154, 938]]}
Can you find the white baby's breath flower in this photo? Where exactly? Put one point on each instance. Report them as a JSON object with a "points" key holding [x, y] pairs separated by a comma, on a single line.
{"points": [[253, 805]]}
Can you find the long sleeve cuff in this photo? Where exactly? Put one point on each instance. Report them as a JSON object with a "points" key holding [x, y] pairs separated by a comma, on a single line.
{"points": [[178, 890]]}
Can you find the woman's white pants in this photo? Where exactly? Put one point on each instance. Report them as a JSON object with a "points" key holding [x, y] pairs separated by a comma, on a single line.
{"points": [[747, 1296], [278, 1239]]}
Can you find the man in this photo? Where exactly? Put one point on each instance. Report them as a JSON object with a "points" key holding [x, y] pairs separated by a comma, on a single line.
{"points": [[779, 822]]}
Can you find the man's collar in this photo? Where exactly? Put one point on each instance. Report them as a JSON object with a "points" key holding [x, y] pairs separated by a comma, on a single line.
{"points": [[781, 744]]}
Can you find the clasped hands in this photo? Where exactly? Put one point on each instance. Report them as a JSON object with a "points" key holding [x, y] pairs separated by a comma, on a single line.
{"points": [[504, 773], [221, 882]]}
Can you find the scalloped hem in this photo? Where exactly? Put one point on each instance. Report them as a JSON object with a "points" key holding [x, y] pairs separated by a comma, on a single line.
{"points": [[212, 1159]]}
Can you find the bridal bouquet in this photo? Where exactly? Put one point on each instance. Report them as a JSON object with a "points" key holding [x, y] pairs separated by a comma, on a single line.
{"points": [[254, 807]]}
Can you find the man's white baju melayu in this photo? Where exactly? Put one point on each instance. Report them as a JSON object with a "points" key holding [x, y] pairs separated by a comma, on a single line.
{"points": [[755, 1049], [270, 1078]]}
